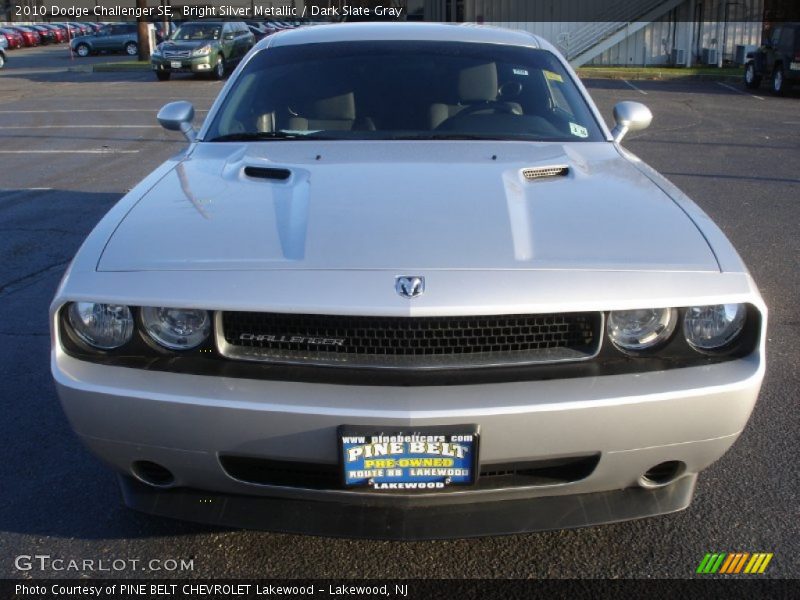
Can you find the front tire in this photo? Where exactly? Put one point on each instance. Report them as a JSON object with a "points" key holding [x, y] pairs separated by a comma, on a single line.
{"points": [[219, 67], [163, 75], [778, 81], [131, 49], [83, 50], [751, 80]]}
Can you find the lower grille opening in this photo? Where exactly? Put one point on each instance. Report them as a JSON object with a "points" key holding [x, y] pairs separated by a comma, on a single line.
{"points": [[321, 476]]}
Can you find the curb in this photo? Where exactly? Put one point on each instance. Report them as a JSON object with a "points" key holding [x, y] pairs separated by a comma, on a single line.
{"points": [[119, 68], [80, 69], [657, 76]]}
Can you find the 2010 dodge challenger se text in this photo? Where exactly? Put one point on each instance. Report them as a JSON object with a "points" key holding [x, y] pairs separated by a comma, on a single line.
{"points": [[404, 283]]}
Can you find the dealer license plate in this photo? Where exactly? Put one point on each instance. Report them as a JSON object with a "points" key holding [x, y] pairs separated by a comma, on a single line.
{"points": [[423, 458], [176, 64]]}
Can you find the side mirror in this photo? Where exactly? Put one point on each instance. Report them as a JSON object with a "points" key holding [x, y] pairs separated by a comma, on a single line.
{"points": [[228, 36], [178, 116], [630, 116]]}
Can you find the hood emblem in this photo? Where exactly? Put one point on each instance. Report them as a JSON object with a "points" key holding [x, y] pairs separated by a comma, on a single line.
{"points": [[410, 286]]}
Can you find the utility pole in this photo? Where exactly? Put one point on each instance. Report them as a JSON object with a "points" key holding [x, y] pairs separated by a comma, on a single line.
{"points": [[144, 38]]}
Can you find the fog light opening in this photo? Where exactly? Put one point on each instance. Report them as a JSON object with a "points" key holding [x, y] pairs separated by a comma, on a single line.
{"points": [[152, 473], [662, 474]]}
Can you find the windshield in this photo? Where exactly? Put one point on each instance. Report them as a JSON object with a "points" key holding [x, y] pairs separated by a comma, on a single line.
{"points": [[404, 90], [196, 31]]}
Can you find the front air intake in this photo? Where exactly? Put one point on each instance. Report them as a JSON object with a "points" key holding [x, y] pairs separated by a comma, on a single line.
{"points": [[545, 172], [268, 173]]}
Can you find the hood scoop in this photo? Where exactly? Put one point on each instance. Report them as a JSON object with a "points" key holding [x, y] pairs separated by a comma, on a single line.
{"points": [[268, 173], [533, 173]]}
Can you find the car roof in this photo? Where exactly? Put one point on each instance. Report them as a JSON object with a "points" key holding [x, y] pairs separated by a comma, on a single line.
{"points": [[442, 32]]}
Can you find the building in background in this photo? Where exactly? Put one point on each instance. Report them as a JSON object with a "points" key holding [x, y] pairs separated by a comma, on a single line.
{"points": [[623, 32]]}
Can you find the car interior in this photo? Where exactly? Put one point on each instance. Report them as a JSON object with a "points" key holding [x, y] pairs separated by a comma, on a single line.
{"points": [[377, 97]]}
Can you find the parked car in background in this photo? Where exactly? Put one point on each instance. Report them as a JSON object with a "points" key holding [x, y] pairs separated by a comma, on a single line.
{"points": [[71, 30], [46, 34], [2, 52], [30, 37], [59, 34], [117, 37], [258, 30], [212, 47], [94, 27], [83, 29], [404, 282], [12, 37], [778, 60], [273, 27]]}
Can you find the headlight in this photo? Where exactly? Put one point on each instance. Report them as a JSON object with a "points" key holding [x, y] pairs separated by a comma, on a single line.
{"points": [[176, 328], [641, 329], [204, 51], [103, 326], [713, 327]]}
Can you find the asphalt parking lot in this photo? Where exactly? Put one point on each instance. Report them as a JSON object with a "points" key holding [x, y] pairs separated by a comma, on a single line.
{"points": [[71, 144]]}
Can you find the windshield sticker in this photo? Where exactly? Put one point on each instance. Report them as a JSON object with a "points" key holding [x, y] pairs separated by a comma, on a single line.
{"points": [[523, 72], [553, 76], [578, 130]]}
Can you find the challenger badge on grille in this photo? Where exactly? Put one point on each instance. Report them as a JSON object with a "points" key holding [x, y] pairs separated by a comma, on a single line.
{"points": [[292, 339]]}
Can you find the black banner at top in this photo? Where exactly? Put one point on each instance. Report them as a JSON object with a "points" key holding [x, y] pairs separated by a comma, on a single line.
{"points": [[475, 11]]}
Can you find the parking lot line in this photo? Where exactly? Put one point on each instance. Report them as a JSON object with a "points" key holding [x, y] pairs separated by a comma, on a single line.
{"points": [[87, 110], [630, 85], [80, 127], [733, 89], [91, 151]]}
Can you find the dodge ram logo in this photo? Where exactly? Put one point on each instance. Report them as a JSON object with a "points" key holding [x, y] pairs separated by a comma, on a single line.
{"points": [[410, 286]]}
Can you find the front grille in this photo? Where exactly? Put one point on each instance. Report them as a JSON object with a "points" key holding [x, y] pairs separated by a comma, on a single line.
{"points": [[409, 342], [177, 53], [327, 476]]}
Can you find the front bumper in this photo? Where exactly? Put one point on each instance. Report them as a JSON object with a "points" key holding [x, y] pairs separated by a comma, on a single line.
{"points": [[406, 520], [185, 422], [199, 64]]}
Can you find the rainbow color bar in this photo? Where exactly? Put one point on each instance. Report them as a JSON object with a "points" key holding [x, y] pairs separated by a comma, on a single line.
{"points": [[734, 563]]}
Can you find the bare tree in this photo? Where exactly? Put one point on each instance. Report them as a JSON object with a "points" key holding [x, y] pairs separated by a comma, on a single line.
{"points": [[144, 39]]}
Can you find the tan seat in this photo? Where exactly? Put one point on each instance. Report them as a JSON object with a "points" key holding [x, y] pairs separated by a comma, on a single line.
{"points": [[337, 113], [476, 85]]}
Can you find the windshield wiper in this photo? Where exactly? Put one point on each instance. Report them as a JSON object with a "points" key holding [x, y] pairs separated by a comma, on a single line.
{"points": [[447, 136], [254, 136]]}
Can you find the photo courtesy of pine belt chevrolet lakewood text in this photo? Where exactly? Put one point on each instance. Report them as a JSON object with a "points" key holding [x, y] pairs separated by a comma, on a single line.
{"points": [[405, 283]]}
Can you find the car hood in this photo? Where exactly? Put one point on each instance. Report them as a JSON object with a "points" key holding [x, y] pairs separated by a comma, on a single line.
{"points": [[189, 45], [405, 206]]}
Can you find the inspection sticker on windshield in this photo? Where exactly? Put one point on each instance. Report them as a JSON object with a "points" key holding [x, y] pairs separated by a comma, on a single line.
{"points": [[553, 76], [521, 72], [420, 459], [578, 130]]}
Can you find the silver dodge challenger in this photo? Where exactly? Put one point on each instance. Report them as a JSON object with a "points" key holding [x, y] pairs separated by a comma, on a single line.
{"points": [[404, 283]]}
